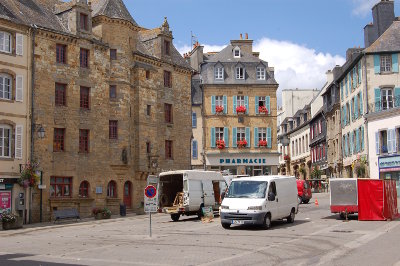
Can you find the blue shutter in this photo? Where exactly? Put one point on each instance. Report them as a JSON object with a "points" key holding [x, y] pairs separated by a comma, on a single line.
{"points": [[362, 138], [256, 138], [377, 99], [354, 77], [234, 104], [347, 85], [256, 105], [213, 137], [361, 105], [351, 143], [248, 137], [346, 146], [246, 103], [359, 73], [395, 63], [344, 155], [225, 104], [377, 64], [234, 137], [356, 106], [345, 115], [352, 110], [394, 147], [341, 89], [268, 104], [342, 117], [357, 141], [396, 97], [269, 138], [194, 149], [226, 137], [213, 105], [377, 142]]}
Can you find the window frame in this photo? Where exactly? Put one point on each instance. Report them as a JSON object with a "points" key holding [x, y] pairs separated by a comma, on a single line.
{"points": [[10, 86], [113, 54], [219, 133], [240, 100], [167, 47], [169, 150], [84, 188], [59, 140], [66, 182], [60, 94], [113, 91], [61, 53], [3, 128], [84, 140], [113, 129], [386, 63], [237, 49], [260, 73], [262, 134], [241, 134], [112, 189], [168, 113], [389, 98], [84, 21], [219, 73], [9, 36], [84, 102], [167, 79], [239, 73], [148, 110], [194, 120], [84, 55]]}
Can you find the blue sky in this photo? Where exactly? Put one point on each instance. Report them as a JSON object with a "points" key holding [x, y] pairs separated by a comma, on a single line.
{"points": [[297, 37]]}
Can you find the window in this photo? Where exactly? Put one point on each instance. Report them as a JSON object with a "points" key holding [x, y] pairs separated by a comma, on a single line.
{"points": [[84, 189], [5, 87], [219, 100], [60, 97], [297, 148], [387, 98], [113, 91], [84, 22], [60, 187], [113, 54], [168, 150], [260, 73], [240, 133], [58, 142], [347, 113], [236, 52], [219, 73], [239, 73], [112, 189], [148, 110], [383, 141], [219, 133], [113, 129], [386, 63], [320, 126], [5, 141], [168, 112], [194, 120], [84, 140], [148, 147], [84, 58], [5, 42], [240, 101], [194, 149], [61, 53], [262, 134], [167, 48], [261, 101], [147, 74], [167, 79], [85, 95]]}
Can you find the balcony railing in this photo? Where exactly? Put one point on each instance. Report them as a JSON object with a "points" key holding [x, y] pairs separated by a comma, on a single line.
{"points": [[379, 106]]}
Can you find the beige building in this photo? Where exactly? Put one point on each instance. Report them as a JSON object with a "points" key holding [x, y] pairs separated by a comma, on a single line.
{"points": [[239, 110]]}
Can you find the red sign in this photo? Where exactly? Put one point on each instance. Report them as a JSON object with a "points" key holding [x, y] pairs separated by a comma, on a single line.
{"points": [[150, 192], [5, 201]]}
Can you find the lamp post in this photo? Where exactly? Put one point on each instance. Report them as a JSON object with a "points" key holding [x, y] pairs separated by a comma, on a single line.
{"points": [[41, 132]]}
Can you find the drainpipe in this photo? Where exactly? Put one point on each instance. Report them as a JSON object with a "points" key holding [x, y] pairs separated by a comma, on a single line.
{"points": [[33, 27]]}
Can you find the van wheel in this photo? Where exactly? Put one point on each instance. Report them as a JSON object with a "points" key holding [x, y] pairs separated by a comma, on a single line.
{"points": [[267, 221], [175, 217], [306, 201], [290, 218], [226, 226]]}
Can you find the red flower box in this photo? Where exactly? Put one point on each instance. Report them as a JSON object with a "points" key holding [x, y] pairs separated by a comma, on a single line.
{"points": [[262, 143], [219, 109], [241, 109], [242, 143], [263, 110], [220, 144], [286, 158]]}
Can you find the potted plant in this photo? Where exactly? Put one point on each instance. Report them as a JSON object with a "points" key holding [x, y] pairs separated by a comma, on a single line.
{"points": [[220, 144], [286, 158], [219, 109], [11, 221], [101, 213], [360, 167], [263, 110], [241, 109], [262, 143], [28, 177], [242, 143]]}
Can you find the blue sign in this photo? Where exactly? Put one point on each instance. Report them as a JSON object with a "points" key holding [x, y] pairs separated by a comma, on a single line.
{"points": [[243, 161], [391, 163], [150, 192]]}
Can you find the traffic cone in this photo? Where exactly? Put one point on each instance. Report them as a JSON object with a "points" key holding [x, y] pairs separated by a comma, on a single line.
{"points": [[316, 202]]}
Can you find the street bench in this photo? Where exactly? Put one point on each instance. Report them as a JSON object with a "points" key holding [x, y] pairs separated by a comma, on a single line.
{"points": [[66, 214]]}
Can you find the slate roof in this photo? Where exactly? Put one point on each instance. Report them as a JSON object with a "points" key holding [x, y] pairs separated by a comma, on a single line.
{"points": [[389, 41], [112, 9]]}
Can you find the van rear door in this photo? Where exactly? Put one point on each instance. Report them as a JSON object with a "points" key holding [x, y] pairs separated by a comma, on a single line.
{"points": [[195, 194], [208, 193], [273, 204]]}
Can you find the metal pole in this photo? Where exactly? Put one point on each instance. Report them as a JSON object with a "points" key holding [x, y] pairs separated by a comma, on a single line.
{"points": [[41, 197], [150, 224]]}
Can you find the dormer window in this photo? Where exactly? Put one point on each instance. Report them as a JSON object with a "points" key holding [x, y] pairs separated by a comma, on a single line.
{"points": [[260, 73], [239, 72], [236, 52], [84, 22], [167, 48], [5, 42], [219, 73]]}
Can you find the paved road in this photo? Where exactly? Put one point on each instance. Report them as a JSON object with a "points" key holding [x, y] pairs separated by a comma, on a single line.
{"points": [[316, 238]]}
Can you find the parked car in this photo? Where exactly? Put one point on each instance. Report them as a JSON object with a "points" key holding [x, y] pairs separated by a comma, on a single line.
{"points": [[259, 201], [303, 191]]}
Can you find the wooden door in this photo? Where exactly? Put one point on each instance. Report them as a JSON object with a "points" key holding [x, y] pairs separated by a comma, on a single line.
{"points": [[128, 194]]}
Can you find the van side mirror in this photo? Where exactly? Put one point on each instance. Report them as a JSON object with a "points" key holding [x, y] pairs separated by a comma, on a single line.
{"points": [[222, 195], [271, 196]]}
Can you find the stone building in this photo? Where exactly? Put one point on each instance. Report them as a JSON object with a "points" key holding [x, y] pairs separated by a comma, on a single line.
{"points": [[239, 109], [113, 99]]}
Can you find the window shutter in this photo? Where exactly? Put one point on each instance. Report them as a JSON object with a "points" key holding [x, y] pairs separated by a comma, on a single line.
{"points": [[19, 94], [345, 115], [396, 97], [394, 144], [362, 138], [213, 137], [357, 141], [213, 105], [377, 64], [268, 104], [345, 146], [352, 110], [226, 137], [18, 141], [248, 137], [225, 104], [389, 141], [269, 138], [341, 89], [347, 85], [256, 138], [234, 104], [19, 44], [359, 73], [351, 143], [377, 99], [356, 107], [256, 105], [354, 77], [246, 103], [194, 120], [234, 137], [377, 142], [194, 149], [395, 63], [361, 105]]}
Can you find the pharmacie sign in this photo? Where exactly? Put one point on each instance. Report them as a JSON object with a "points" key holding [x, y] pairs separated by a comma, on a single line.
{"points": [[238, 161], [389, 164]]}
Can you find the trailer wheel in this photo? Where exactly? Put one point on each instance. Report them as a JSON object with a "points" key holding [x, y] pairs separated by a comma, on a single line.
{"points": [[175, 217]]}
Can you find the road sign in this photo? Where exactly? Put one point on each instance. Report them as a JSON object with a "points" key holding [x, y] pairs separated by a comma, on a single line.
{"points": [[150, 192], [150, 199]]}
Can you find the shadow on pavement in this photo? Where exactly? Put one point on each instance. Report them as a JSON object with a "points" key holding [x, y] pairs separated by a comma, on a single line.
{"points": [[350, 217], [275, 225], [7, 260]]}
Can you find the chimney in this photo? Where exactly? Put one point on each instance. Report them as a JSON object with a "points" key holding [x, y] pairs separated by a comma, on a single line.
{"points": [[383, 17], [241, 36], [196, 56], [247, 36], [245, 46]]}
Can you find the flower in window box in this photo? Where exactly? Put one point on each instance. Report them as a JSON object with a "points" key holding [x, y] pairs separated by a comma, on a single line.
{"points": [[263, 110], [287, 158], [262, 143], [242, 143], [220, 144], [219, 109], [241, 109], [28, 176]]}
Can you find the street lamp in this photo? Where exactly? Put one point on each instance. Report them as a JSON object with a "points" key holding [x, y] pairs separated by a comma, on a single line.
{"points": [[41, 132]]}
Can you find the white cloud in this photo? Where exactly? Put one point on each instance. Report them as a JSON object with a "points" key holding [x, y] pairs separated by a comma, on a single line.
{"points": [[363, 7], [207, 48]]}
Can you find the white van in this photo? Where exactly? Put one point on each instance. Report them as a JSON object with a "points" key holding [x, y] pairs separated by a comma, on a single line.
{"points": [[259, 200], [186, 192]]}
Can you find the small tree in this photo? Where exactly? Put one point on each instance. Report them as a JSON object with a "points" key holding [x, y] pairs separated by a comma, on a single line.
{"points": [[316, 173]]}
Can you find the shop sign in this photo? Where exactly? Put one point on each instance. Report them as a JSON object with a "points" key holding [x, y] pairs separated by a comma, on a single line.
{"points": [[5, 201], [238, 161], [389, 164]]}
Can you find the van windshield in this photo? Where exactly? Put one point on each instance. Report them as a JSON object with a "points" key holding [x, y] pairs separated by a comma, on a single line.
{"points": [[247, 189]]}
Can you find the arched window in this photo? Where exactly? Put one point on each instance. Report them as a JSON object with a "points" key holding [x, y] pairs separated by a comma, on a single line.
{"points": [[84, 189], [112, 189], [5, 42], [5, 87], [5, 141]]}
